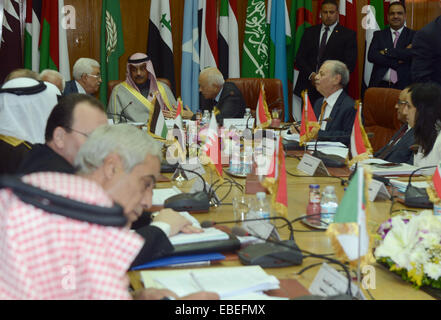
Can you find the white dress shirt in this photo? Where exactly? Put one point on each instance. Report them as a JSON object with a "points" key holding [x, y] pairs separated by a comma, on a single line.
{"points": [[331, 100]]}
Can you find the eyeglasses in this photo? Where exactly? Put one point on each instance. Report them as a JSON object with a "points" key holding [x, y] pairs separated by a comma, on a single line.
{"points": [[403, 103], [96, 76], [82, 133]]}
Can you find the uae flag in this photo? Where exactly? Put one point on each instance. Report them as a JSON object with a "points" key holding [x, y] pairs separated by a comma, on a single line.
{"points": [[160, 41], [11, 37], [229, 40], [209, 47], [211, 148], [157, 126], [309, 127], [263, 117], [360, 147], [348, 233], [32, 35]]}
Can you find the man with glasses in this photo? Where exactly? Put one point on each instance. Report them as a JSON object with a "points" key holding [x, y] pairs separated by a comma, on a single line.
{"points": [[398, 148], [87, 78], [67, 128]]}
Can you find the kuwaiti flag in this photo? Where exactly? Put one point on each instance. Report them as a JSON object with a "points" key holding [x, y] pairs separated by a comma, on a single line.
{"points": [[211, 148], [209, 48], [263, 117], [160, 41], [190, 56], [360, 147], [157, 126], [309, 127], [348, 233], [229, 40]]}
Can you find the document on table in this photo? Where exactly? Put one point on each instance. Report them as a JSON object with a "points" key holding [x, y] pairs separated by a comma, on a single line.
{"points": [[227, 282], [402, 185], [160, 195], [208, 234]]}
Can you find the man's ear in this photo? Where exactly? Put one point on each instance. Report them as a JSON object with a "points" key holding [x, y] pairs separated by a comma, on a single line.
{"points": [[59, 137], [112, 164]]}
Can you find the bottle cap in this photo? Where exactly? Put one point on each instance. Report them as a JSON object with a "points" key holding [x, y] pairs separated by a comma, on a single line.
{"points": [[314, 186], [260, 195]]}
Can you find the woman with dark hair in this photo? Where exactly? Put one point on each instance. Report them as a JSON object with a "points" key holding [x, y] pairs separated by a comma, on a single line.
{"points": [[423, 112]]}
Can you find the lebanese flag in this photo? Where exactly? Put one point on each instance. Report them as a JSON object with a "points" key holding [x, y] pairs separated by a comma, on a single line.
{"points": [[263, 117], [360, 147], [209, 48], [309, 127], [212, 146], [229, 40], [436, 179]]}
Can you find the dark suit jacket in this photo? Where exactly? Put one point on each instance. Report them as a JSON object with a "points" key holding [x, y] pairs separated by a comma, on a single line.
{"points": [[383, 39], [70, 87], [342, 116], [342, 46], [400, 152], [426, 48], [231, 103]]}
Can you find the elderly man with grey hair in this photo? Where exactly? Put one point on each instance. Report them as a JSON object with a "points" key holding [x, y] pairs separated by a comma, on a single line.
{"points": [[335, 111], [53, 77], [86, 77]]}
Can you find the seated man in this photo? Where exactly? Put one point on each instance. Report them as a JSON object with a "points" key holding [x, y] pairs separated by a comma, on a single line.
{"points": [[69, 124], [335, 112], [25, 105], [86, 77], [224, 98], [131, 100], [398, 148], [22, 73], [84, 256], [53, 77]]}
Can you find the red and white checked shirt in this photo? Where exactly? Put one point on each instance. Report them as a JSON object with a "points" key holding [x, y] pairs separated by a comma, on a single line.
{"points": [[48, 256]]}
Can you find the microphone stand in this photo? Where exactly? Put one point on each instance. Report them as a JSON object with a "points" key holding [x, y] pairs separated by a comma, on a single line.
{"points": [[122, 112]]}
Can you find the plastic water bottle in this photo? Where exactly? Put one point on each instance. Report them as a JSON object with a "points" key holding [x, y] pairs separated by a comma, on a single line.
{"points": [[262, 206], [248, 117], [247, 160], [205, 118], [329, 205], [313, 209], [247, 113]]}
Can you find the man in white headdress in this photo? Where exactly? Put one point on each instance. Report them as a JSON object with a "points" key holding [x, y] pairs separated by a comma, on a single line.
{"points": [[131, 101], [25, 105]]}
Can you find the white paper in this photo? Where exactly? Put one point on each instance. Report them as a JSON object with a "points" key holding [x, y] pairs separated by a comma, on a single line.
{"points": [[208, 234], [160, 195], [290, 137], [240, 124]]}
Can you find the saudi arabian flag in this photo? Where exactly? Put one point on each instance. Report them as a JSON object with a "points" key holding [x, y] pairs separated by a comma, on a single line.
{"points": [[255, 62], [348, 232], [112, 44]]}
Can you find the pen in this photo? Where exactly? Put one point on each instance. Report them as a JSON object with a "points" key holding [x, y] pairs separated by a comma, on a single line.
{"points": [[198, 284]]}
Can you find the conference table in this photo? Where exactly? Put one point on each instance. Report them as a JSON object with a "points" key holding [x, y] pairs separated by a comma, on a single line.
{"points": [[387, 285]]}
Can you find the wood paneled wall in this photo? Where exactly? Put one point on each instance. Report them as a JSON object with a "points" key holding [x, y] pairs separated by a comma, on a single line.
{"points": [[84, 41]]}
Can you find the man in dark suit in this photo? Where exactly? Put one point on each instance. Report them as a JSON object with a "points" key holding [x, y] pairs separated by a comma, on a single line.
{"points": [[327, 41], [224, 98], [398, 148], [426, 49], [86, 77], [335, 112], [391, 51]]}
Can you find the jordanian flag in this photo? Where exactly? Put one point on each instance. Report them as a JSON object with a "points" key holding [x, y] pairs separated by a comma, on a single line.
{"points": [[280, 31], [300, 19], [10, 37], [160, 41], [255, 63], [229, 40], [360, 147], [112, 44], [209, 48], [32, 35], [348, 233]]}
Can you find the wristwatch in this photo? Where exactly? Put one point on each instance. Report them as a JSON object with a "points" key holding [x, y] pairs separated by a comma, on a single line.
{"points": [[385, 50]]}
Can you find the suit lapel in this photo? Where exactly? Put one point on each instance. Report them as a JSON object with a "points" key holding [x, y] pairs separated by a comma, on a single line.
{"points": [[335, 110]]}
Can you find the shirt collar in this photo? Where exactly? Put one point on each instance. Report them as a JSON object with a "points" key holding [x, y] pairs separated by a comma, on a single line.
{"points": [[331, 27], [399, 30], [219, 95], [80, 87], [332, 99]]}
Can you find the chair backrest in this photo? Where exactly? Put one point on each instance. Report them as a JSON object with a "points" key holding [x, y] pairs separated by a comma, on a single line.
{"points": [[250, 88], [380, 115]]}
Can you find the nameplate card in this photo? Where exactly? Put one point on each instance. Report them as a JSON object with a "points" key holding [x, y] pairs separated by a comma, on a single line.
{"points": [[312, 166], [329, 282], [240, 124], [377, 190]]}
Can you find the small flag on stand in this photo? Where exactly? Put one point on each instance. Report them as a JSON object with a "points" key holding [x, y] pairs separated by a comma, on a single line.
{"points": [[211, 148], [156, 126], [310, 126], [263, 117], [348, 233], [434, 192], [360, 147]]}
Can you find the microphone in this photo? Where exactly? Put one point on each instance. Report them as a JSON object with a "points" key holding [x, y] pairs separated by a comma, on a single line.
{"points": [[417, 197], [122, 112]]}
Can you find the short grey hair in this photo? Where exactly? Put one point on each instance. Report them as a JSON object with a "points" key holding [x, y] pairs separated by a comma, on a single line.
{"points": [[48, 75], [340, 68], [213, 76], [84, 66], [127, 141]]}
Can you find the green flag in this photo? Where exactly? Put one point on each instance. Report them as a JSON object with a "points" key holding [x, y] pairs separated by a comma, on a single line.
{"points": [[256, 42], [112, 44]]}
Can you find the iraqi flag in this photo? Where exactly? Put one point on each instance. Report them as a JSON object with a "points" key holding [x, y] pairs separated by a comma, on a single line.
{"points": [[360, 147], [160, 41], [209, 47], [11, 37], [263, 117], [309, 127], [229, 40], [211, 148]]}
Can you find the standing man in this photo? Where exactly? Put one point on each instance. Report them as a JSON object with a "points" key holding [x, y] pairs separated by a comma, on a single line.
{"points": [[391, 51], [326, 41], [86, 77], [426, 64]]}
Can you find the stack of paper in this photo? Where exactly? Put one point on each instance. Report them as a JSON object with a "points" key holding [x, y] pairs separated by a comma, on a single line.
{"points": [[227, 282], [208, 234]]}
